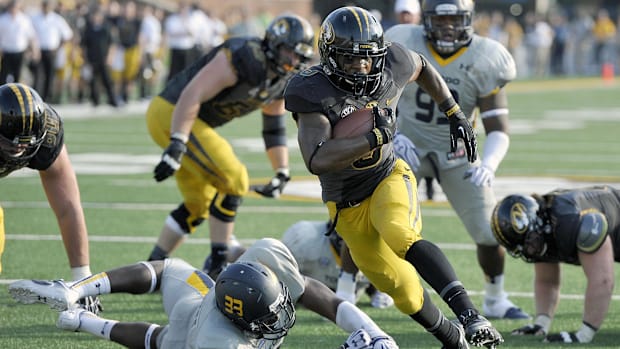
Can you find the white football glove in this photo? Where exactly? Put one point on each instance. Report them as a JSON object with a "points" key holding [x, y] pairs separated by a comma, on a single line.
{"points": [[383, 342], [480, 176], [359, 339], [405, 149]]}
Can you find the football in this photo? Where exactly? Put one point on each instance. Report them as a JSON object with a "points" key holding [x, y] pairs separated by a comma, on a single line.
{"points": [[355, 124]]}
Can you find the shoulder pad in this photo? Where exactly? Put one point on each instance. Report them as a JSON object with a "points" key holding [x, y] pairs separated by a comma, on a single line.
{"points": [[494, 65], [591, 231], [306, 90]]}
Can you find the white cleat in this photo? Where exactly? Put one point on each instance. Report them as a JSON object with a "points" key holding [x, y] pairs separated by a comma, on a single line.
{"points": [[70, 320], [381, 300], [55, 293], [502, 308]]}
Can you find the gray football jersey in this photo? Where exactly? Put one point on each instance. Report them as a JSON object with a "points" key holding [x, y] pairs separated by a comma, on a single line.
{"points": [[210, 329], [475, 71]]}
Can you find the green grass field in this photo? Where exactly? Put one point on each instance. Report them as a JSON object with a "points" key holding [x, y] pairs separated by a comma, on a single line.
{"points": [[564, 132]]}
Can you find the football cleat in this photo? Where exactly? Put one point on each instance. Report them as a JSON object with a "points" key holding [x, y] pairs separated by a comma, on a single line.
{"points": [[381, 300], [502, 308], [462, 344], [478, 330], [70, 320], [55, 293]]}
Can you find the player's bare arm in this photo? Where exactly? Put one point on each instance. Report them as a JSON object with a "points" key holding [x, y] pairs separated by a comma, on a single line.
{"points": [[210, 80], [494, 108], [599, 270], [547, 287], [278, 155], [429, 79], [321, 153], [61, 188]]}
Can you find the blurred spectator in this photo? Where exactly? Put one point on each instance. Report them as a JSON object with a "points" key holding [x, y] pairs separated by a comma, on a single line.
{"points": [[181, 30], [407, 11], [559, 24], [53, 32], [604, 31], [97, 41], [579, 48], [17, 35], [538, 38], [515, 45], [130, 50], [497, 31], [151, 39]]}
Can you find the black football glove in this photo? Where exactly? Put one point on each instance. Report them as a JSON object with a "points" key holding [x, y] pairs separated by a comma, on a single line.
{"points": [[385, 127], [461, 128], [274, 188], [170, 159], [92, 304], [530, 329]]}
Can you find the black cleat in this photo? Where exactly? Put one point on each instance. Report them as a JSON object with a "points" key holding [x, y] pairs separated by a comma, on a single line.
{"points": [[479, 331]]}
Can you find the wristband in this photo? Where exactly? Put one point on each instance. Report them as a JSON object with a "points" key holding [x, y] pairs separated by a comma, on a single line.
{"points": [[495, 149], [449, 107]]}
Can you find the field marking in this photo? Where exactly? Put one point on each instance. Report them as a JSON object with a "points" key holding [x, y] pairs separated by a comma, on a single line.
{"points": [[247, 242]]}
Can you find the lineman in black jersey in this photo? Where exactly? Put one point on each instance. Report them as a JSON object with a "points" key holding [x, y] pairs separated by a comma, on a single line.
{"points": [[234, 79], [573, 226], [32, 135], [371, 196]]}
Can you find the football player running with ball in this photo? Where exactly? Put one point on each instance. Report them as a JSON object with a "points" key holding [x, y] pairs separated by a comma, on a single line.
{"points": [[476, 70], [233, 80], [250, 305], [370, 194]]}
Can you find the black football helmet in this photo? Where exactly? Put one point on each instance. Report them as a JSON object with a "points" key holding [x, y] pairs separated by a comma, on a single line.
{"points": [[349, 32], [22, 122], [253, 298], [293, 32], [517, 225], [448, 24]]}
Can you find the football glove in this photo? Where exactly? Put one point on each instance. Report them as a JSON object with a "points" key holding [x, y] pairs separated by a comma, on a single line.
{"points": [[359, 339], [461, 128], [405, 149], [170, 159], [274, 188], [480, 176], [383, 342], [385, 127], [91, 304]]}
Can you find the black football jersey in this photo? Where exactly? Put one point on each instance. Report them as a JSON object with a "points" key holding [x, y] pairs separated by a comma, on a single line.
{"points": [[254, 87], [47, 152], [564, 209], [311, 91]]}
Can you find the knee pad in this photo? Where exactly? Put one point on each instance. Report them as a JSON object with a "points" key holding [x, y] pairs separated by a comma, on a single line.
{"points": [[181, 216], [224, 207]]}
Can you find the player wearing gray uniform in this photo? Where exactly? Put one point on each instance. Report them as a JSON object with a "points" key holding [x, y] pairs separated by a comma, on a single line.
{"points": [[251, 305], [475, 69]]}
